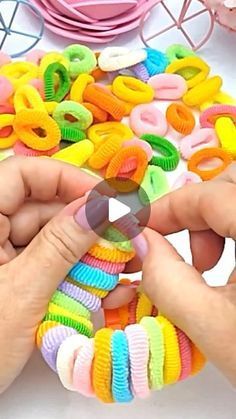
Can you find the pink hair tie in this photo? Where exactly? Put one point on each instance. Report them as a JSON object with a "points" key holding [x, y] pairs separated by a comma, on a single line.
{"points": [[39, 86], [4, 59], [6, 108], [186, 178], [209, 116], [35, 56], [6, 88], [168, 86], [147, 119], [139, 356], [131, 164], [185, 354], [82, 377], [203, 138], [21, 149], [109, 267]]}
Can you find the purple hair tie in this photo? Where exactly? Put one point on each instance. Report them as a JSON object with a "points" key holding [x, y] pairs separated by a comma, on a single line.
{"points": [[140, 72], [90, 301]]}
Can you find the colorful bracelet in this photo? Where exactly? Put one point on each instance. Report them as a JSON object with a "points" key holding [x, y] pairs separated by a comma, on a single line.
{"points": [[117, 58], [226, 132], [203, 91], [209, 116], [168, 86], [195, 63], [171, 157], [76, 154], [132, 90], [79, 86], [51, 94], [180, 118], [147, 119], [206, 154], [81, 59], [202, 138]]}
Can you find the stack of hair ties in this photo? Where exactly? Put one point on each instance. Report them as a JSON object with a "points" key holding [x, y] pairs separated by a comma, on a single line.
{"points": [[86, 100]]}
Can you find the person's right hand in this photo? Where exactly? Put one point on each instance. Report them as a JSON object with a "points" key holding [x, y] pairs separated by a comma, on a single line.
{"points": [[207, 315]]}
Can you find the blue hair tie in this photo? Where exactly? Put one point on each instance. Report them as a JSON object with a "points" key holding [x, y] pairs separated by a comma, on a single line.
{"points": [[94, 277], [156, 61], [120, 368]]}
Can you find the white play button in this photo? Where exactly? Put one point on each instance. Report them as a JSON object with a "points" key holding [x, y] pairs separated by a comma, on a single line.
{"points": [[117, 210]]}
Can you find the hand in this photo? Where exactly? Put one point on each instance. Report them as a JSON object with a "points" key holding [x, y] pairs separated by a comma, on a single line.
{"points": [[207, 315], [34, 191]]}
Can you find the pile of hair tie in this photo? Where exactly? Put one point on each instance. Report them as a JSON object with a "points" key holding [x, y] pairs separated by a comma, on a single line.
{"points": [[103, 108]]}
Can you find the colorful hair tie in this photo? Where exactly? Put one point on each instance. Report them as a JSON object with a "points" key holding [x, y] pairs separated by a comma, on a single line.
{"points": [[7, 121], [51, 58], [20, 149], [171, 157], [206, 154], [6, 88], [185, 354], [109, 267], [102, 366], [192, 63], [49, 79], [178, 52], [4, 58], [73, 135], [78, 323], [6, 108], [226, 131], [68, 303], [202, 138], [38, 84], [139, 143], [209, 116], [203, 91], [27, 97], [102, 97], [93, 277], [90, 301], [36, 129], [185, 179], [81, 58], [120, 366], [156, 61], [50, 106], [147, 119], [154, 185], [198, 360], [105, 152], [117, 58], [156, 352], [111, 255], [19, 73], [99, 115], [168, 86], [143, 307], [79, 86], [69, 114], [116, 163], [35, 56], [82, 377], [132, 90], [99, 133], [140, 72], [180, 118], [76, 154]]}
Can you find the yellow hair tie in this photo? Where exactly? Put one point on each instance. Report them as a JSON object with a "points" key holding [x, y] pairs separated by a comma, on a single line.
{"points": [[36, 129], [110, 255], [99, 133], [172, 365], [221, 98], [50, 106], [144, 307], [190, 62], [76, 154], [105, 153], [7, 120], [19, 73], [102, 365], [95, 291], [50, 58], [226, 132], [43, 329], [132, 90], [203, 91], [27, 97], [79, 86]]}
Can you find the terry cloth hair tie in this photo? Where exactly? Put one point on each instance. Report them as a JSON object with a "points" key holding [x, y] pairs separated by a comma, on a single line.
{"points": [[90, 301], [101, 96], [202, 138], [79, 86], [19, 73], [6, 88], [132, 90], [170, 159], [38, 84], [203, 91], [147, 119], [27, 97], [70, 114], [99, 115], [156, 61], [8, 136], [105, 153], [51, 58], [117, 58], [180, 118], [155, 184], [168, 86], [76, 154], [36, 129], [120, 367], [81, 59], [202, 68], [52, 93], [20, 149], [140, 71], [226, 131], [185, 354], [99, 133], [88, 275], [82, 377], [206, 154], [185, 179], [102, 366], [221, 98], [35, 56], [130, 164], [109, 267], [178, 52], [209, 116]]}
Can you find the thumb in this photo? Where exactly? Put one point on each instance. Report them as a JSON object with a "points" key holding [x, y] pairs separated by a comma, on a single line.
{"points": [[58, 246]]}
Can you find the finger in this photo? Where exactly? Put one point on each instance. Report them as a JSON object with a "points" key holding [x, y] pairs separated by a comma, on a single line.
{"points": [[135, 265], [40, 179], [207, 248], [209, 205], [119, 297]]}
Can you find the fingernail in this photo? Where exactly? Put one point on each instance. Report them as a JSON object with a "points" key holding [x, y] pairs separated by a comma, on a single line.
{"points": [[93, 213], [140, 245]]}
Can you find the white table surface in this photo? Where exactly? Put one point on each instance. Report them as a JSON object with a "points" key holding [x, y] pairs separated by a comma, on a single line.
{"points": [[37, 393]]}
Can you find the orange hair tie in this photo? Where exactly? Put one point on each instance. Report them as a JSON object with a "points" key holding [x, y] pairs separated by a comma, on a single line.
{"points": [[180, 118], [97, 73], [198, 360], [110, 255], [102, 97], [99, 115], [105, 152], [205, 154], [112, 319], [124, 185]]}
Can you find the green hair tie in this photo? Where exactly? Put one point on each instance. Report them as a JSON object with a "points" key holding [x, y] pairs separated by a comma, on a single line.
{"points": [[170, 159], [117, 239], [78, 116], [73, 135], [67, 321], [51, 94], [153, 186], [70, 304], [82, 59], [178, 52]]}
